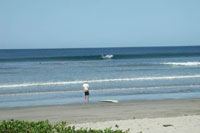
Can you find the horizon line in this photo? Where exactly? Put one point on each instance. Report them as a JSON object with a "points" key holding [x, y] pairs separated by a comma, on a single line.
{"points": [[102, 47]]}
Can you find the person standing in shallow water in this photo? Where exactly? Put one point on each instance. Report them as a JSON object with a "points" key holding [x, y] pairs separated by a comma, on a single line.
{"points": [[86, 91]]}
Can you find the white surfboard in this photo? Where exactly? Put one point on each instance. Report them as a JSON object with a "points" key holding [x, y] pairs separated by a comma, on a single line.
{"points": [[111, 101]]}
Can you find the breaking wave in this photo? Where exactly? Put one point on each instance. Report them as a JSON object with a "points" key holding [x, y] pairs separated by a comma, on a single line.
{"points": [[98, 81], [182, 63], [99, 57]]}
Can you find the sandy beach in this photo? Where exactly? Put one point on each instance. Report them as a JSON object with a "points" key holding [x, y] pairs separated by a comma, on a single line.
{"points": [[145, 116], [181, 124]]}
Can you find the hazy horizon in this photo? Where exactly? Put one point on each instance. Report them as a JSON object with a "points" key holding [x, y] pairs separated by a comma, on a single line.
{"points": [[104, 47]]}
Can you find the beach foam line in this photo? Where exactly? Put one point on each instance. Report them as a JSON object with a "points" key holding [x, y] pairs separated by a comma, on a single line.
{"points": [[102, 90], [98, 81]]}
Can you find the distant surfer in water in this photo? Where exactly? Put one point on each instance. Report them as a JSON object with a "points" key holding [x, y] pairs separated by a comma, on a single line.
{"points": [[107, 56], [86, 91]]}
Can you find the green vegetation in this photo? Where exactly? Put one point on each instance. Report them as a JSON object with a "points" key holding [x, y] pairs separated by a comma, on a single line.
{"points": [[16, 126]]}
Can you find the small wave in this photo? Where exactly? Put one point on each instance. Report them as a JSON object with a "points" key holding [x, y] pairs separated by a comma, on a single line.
{"points": [[146, 88], [40, 93], [98, 81], [103, 90], [182, 63]]}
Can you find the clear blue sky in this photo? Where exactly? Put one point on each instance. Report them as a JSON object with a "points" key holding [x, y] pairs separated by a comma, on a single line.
{"points": [[98, 23]]}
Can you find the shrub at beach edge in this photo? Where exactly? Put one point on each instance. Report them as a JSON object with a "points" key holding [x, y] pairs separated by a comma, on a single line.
{"points": [[16, 126]]}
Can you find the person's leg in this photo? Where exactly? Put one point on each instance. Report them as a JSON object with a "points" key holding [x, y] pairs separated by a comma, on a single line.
{"points": [[84, 99], [88, 99]]}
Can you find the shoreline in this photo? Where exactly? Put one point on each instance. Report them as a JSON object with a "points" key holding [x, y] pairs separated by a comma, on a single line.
{"points": [[101, 112]]}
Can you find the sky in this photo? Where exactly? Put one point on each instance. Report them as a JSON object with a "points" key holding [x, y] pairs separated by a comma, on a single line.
{"points": [[98, 23]]}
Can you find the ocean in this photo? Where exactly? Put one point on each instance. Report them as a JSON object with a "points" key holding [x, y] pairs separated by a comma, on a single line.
{"points": [[37, 77]]}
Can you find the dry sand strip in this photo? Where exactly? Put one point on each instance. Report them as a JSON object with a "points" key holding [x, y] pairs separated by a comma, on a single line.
{"points": [[181, 124], [97, 112]]}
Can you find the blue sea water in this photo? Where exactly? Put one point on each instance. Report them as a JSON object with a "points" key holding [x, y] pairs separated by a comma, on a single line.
{"points": [[33, 77]]}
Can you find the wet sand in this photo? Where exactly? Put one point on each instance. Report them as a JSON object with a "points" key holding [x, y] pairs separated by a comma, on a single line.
{"points": [[101, 112]]}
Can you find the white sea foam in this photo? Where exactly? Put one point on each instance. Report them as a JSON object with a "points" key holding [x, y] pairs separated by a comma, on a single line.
{"points": [[98, 81], [182, 63]]}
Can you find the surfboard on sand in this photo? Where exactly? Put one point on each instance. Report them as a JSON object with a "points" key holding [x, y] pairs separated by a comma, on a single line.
{"points": [[111, 101]]}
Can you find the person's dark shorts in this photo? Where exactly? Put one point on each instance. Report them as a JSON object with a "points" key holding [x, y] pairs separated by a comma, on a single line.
{"points": [[87, 93]]}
